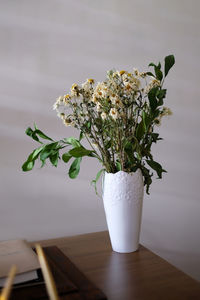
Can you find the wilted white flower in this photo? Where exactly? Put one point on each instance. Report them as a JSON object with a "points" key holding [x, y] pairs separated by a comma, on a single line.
{"points": [[86, 86], [166, 111], [136, 72], [116, 101], [99, 107], [157, 121], [152, 84], [94, 98], [139, 74], [66, 99], [114, 113], [130, 82], [62, 116], [95, 145], [113, 98], [59, 100], [115, 74], [75, 90], [143, 74], [103, 115], [101, 90], [55, 106], [68, 122], [90, 80]]}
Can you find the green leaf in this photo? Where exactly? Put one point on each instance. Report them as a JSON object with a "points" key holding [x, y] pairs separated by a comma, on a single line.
{"points": [[157, 167], [150, 74], [75, 168], [148, 182], [28, 166], [140, 130], [36, 132], [161, 95], [134, 168], [81, 136], [129, 149], [47, 151], [34, 155], [94, 181], [42, 135], [144, 120], [72, 141], [88, 125], [169, 62], [108, 144], [130, 146], [160, 102], [53, 145], [147, 178], [147, 120], [66, 157], [152, 65], [80, 152], [118, 166], [29, 163], [54, 159], [152, 98], [45, 154], [138, 155], [35, 126], [29, 131], [156, 113], [159, 74], [155, 137], [35, 137]]}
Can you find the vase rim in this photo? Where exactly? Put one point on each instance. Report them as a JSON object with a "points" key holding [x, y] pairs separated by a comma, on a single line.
{"points": [[124, 172]]}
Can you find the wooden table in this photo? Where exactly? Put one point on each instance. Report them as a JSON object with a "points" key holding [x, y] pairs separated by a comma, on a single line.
{"points": [[140, 275]]}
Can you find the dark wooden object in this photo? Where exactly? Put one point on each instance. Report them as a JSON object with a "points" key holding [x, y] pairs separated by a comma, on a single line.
{"points": [[70, 282], [140, 275]]}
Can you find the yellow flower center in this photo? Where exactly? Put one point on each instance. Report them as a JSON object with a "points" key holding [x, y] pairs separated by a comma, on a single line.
{"points": [[90, 80], [121, 72], [74, 86], [128, 87]]}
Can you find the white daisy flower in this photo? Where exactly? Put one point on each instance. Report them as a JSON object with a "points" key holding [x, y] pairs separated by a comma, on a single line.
{"points": [[114, 113], [99, 107], [103, 116]]}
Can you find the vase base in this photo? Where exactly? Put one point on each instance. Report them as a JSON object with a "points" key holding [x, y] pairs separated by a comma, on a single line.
{"points": [[126, 251]]}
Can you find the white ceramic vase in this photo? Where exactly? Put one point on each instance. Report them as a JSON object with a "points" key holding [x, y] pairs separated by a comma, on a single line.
{"points": [[123, 199]]}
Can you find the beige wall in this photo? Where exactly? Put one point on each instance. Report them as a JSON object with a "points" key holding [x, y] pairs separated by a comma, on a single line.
{"points": [[45, 47]]}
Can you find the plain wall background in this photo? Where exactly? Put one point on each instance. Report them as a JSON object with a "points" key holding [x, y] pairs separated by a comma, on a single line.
{"points": [[48, 45]]}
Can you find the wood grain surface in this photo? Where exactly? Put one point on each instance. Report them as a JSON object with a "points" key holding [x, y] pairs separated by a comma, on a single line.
{"points": [[140, 275]]}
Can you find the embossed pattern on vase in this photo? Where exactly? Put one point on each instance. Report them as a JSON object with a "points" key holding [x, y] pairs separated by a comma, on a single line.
{"points": [[123, 186]]}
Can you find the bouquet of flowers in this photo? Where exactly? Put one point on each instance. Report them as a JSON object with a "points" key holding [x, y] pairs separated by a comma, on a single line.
{"points": [[118, 118]]}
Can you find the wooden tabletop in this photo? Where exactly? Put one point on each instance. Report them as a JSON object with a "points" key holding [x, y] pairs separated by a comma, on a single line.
{"points": [[139, 275]]}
